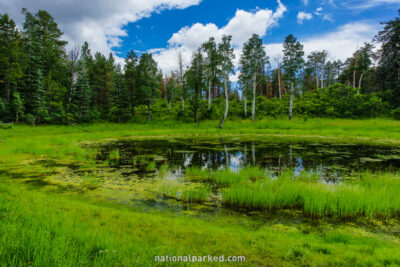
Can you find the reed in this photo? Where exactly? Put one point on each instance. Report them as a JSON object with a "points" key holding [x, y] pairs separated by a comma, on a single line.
{"points": [[186, 193], [372, 196]]}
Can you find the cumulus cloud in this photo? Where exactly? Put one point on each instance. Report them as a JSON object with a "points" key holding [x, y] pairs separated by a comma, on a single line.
{"points": [[100, 22], [340, 44], [242, 26], [301, 16]]}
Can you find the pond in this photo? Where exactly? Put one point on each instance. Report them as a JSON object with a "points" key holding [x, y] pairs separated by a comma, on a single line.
{"points": [[331, 161], [160, 174]]}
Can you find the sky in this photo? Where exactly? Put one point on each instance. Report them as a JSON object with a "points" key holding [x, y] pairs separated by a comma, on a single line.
{"points": [[165, 27]]}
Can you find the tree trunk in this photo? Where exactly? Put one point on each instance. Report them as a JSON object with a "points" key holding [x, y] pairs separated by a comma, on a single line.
{"points": [[196, 115], [359, 83], [291, 103], [169, 106], [279, 82], [322, 76], [148, 111], [209, 95], [253, 106], [132, 104], [226, 103], [245, 107], [354, 79], [183, 104], [316, 75]]}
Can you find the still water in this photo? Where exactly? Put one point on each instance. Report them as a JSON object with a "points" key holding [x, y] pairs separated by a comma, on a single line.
{"points": [[329, 160]]}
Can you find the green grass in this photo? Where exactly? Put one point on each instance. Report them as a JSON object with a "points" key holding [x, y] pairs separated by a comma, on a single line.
{"points": [[372, 196], [251, 188], [40, 228], [225, 177], [186, 193], [63, 141]]}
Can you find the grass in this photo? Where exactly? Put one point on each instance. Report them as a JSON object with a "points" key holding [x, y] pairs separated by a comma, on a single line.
{"points": [[39, 228], [225, 177], [251, 188], [185, 193], [56, 230], [372, 196], [64, 141]]}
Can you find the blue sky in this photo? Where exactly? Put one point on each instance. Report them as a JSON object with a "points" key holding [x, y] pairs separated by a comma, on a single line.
{"points": [[166, 27], [154, 32]]}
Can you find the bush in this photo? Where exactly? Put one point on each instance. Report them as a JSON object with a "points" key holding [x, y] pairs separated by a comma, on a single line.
{"points": [[396, 113]]}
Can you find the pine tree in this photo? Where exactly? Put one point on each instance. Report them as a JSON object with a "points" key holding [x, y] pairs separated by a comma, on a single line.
{"points": [[131, 64], [292, 65], [147, 78], [82, 93], [226, 55], [211, 68], [389, 58], [252, 64], [195, 81]]}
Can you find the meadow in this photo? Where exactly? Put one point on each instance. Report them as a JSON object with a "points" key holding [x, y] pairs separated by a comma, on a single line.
{"points": [[282, 220]]}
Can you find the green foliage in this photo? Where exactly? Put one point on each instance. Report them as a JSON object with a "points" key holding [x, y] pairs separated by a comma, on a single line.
{"points": [[396, 113], [40, 84]]}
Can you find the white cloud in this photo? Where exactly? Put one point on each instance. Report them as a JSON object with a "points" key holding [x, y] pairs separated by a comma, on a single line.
{"points": [[100, 22], [340, 44], [365, 4], [305, 2], [301, 16], [242, 26], [318, 11]]}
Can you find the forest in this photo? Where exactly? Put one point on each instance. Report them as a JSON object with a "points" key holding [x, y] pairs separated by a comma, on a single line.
{"points": [[42, 83]]}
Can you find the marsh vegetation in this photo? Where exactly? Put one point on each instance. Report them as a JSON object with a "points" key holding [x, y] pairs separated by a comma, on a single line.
{"points": [[96, 197]]}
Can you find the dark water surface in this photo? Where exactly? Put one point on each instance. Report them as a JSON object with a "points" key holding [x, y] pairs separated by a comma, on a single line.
{"points": [[329, 160]]}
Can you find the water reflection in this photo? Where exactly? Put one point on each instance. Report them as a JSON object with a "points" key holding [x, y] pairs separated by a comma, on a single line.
{"points": [[331, 161]]}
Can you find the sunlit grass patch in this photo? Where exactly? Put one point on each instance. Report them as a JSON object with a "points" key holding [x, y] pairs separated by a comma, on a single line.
{"points": [[316, 199], [186, 193]]}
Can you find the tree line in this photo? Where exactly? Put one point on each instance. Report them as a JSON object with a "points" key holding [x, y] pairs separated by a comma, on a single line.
{"points": [[40, 82]]}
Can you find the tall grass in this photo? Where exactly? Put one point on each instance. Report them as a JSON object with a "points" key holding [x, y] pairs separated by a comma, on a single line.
{"points": [[42, 229], [186, 193], [371, 196], [225, 177]]}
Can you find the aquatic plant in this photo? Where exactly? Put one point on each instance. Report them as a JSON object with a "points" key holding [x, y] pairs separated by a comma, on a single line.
{"points": [[371, 196], [186, 193]]}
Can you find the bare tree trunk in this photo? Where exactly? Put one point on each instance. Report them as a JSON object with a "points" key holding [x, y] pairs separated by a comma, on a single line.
{"points": [[209, 95], [226, 103], [245, 107], [180, 66], [322, 76], [354, 79], [196, 115], [169, 106], [253, 106], [359, 83], [279, 82], [316, 75], [148, 111], [291, 102]]}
